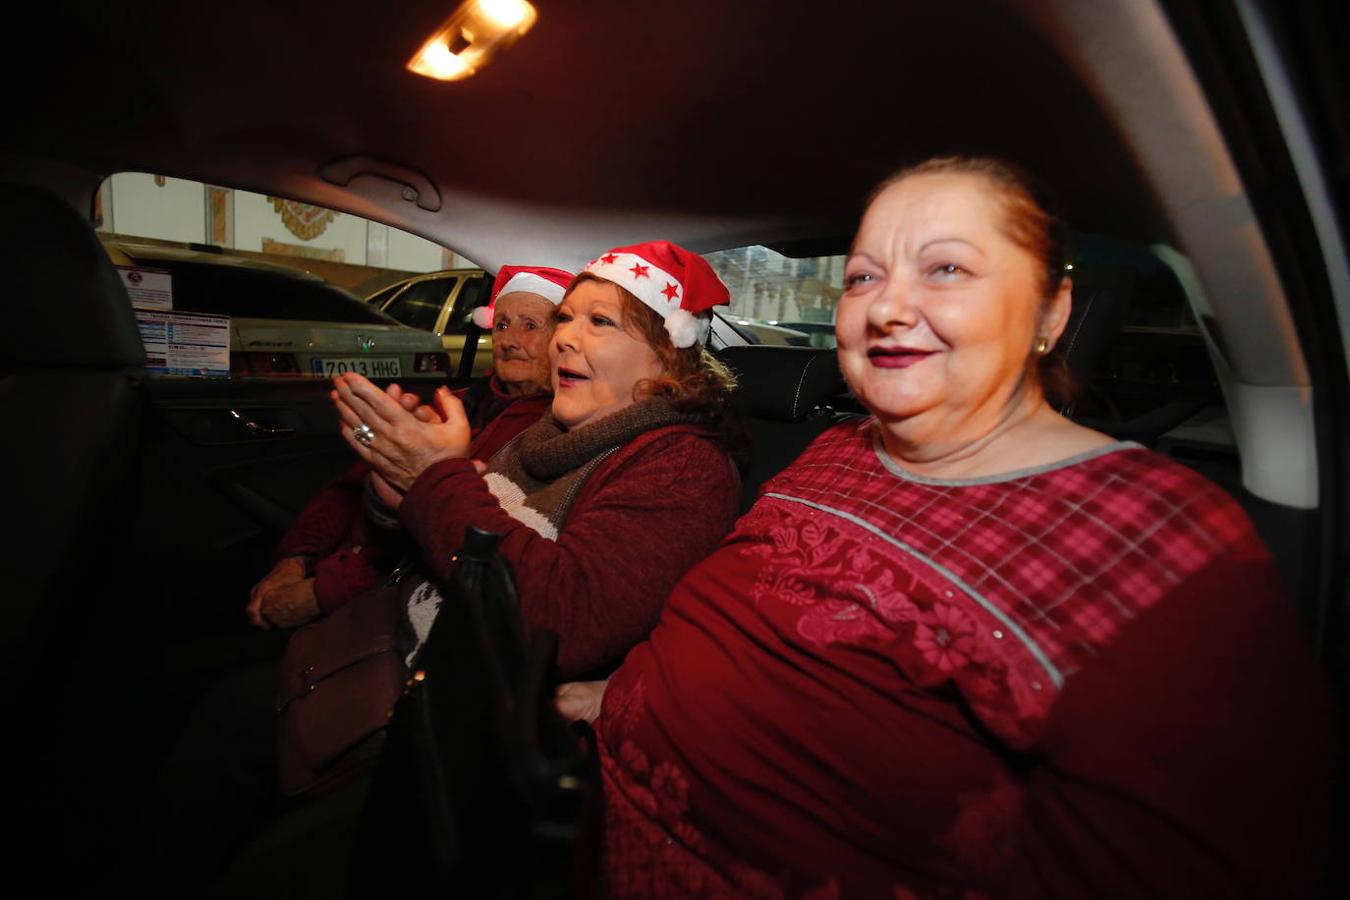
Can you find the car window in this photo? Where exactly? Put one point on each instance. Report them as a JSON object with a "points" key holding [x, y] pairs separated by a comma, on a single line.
{"points": [[378, 300], [776, 299], [469, 295], [240, 272], [420, 305]]}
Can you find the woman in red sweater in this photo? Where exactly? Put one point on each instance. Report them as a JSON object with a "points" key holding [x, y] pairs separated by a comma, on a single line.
{"points": [[604, 504], [968, 648]]}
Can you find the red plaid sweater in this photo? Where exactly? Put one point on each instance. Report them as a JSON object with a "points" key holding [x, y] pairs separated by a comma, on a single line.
{"points": [[1079, 680]]}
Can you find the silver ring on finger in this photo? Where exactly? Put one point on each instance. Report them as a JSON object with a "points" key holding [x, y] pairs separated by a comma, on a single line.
{"points": [[364, 434]]}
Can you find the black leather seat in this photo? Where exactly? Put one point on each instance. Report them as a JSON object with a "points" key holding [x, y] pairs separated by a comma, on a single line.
{"points": [[784, 394], [71, 391], [1101, 305]]}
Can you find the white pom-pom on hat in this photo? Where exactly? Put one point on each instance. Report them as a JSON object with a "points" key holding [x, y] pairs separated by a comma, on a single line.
{"points": [[482, 317], [685, 329]]}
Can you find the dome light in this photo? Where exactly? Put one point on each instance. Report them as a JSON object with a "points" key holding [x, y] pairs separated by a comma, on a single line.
{"points": [[475, 32]]}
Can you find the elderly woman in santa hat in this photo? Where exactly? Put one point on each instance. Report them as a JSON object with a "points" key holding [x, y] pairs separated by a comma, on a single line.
{"points": [[603, 504], [334, 550]]}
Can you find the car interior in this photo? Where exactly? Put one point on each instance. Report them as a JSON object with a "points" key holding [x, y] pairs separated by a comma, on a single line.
{"points": [[1199, 150]]}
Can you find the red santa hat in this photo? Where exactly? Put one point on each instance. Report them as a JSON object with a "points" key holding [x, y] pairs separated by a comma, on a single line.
{"points": [[548, 283], [679, 285]]}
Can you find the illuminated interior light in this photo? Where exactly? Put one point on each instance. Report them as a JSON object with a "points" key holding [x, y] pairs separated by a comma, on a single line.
{"points": [[440, 63], [506, 14], [475, 33]]}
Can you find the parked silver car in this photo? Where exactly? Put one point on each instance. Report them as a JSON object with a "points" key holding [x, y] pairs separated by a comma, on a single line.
{"points": [[282, 322]]}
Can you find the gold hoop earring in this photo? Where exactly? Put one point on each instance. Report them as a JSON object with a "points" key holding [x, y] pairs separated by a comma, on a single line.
{"points": [[1042, 345]]}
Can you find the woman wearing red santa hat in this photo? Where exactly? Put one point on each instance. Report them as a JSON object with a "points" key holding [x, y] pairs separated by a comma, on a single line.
{"points": [[603, 504], [334, 550]]}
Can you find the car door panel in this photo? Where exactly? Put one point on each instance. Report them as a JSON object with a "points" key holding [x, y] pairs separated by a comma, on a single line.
{"points": [[226, 468]]}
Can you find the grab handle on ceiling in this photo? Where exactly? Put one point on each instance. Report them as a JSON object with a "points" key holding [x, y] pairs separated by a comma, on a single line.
{"points": [[417, 187]]}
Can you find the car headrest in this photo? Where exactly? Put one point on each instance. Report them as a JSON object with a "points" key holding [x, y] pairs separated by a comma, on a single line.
{"points": [[1101, 303], [65, 304], [784, 383]]}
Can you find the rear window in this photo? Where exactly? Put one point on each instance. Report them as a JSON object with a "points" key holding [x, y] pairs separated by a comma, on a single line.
{"points": [[243, 293], [379, 299], [420, 303], [460, 320]]}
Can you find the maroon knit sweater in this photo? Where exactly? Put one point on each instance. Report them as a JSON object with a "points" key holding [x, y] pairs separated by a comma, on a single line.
{"points": [[649, 512]]}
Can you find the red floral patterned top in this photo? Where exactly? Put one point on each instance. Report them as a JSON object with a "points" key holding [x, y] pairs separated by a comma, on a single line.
{"points": [[1069, 680]]}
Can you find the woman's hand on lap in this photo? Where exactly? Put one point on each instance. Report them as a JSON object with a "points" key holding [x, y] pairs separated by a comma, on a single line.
{"points": [[290, 570], [580, 700], [290, 605]]}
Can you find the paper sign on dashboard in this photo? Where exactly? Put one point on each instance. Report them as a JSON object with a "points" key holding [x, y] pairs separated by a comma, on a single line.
{"points": [[185, 343], [149, 288]]}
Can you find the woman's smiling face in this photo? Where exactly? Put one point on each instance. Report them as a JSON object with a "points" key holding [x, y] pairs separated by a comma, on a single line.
{"points": [[941, 309], [597, 361]]}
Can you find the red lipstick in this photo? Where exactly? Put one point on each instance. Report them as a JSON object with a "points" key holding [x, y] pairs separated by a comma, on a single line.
{"points": [[896, 357]]}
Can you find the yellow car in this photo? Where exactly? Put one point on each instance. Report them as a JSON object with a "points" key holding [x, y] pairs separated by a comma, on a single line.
{"points": [[442, 302]]}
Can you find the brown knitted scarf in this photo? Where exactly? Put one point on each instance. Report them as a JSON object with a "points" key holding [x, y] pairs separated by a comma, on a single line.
{"points": [[537, 476]]}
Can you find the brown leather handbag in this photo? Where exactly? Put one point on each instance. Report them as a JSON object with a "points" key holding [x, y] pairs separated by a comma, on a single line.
{"points": [[341, 677]]}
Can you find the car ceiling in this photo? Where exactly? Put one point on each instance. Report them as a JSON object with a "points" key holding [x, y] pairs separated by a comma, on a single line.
{"points": [[768, 116], [715, 124]]}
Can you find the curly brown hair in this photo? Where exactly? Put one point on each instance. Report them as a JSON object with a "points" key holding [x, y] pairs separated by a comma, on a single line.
{"points": [[1031, 221]]}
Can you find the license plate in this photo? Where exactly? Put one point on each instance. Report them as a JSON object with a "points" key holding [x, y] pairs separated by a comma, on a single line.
{"points": [[369, 366]]}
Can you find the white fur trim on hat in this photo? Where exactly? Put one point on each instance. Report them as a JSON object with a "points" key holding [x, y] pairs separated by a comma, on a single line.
{"points": [[531, 283], [483, 317], [686, 329], [642, 278]]}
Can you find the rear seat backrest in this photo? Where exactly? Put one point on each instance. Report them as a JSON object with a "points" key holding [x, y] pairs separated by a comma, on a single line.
{"points": [[784, 395], [73, 369]]}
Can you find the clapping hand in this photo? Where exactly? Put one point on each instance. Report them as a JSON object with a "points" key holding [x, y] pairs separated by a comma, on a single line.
{"points": [[399, 444]]}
